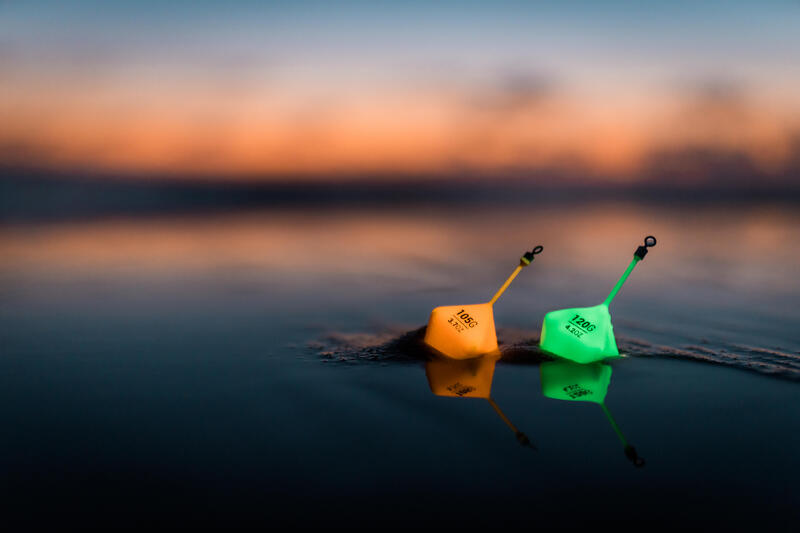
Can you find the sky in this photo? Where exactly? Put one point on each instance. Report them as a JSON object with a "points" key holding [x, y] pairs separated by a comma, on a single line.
{"points": [[614, 91]]}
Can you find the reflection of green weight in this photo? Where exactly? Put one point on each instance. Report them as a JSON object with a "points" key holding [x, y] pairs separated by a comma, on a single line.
{"points": [[585, 334], [563, 380], [573, 382]]}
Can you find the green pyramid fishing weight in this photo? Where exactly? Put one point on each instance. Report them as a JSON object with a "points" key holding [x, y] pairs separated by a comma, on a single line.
{"points": [[585, 334]]}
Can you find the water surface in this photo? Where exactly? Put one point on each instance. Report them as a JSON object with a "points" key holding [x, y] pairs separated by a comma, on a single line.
{"points": [[257, 364]]}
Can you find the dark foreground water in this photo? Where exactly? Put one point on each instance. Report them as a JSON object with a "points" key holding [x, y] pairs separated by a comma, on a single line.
{"points": [[264, 367]]}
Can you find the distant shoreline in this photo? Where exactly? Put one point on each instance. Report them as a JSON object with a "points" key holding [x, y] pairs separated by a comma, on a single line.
{"points": [[41, 196]]}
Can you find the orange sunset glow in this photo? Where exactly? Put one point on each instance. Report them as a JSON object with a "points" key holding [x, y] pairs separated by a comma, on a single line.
{"points": [[189, 131], [276, 93]]}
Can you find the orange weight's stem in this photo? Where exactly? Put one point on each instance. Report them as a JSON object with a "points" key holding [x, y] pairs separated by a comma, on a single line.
{"points": [[524, 261], [502, 289]]}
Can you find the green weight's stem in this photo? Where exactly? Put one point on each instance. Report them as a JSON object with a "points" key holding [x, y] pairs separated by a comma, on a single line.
{"points": [[624, 277], [614, 425]]}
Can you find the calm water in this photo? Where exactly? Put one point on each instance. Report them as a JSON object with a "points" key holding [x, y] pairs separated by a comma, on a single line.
{"points": [[258, 365]]}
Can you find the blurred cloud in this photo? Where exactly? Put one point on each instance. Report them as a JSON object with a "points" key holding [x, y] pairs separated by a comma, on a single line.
{"points": [[512, 92], [717, 91], [718, 126]]}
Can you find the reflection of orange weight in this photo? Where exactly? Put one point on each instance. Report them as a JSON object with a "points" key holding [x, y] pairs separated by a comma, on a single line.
{"points": [[468, 378], [471, 378]]}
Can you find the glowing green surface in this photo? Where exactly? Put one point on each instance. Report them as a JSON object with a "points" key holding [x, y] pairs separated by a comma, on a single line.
{"points": [[583, 334], [565, 380], [565, 333]]}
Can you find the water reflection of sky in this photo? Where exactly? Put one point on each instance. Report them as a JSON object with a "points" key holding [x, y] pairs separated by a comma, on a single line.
{"points": [[718, 274], [750, 247]]}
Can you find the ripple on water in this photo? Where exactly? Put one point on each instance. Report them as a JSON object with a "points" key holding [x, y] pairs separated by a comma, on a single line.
{"points": [[395, 345]]}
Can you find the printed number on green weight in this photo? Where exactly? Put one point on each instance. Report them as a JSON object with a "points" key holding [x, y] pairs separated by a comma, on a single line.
{"points": [[582, 323]]}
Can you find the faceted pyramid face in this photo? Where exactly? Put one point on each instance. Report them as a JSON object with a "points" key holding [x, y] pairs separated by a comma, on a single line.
{"points": [[581, 334], [462, 331], [565, 380], [467, 378]]}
